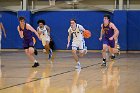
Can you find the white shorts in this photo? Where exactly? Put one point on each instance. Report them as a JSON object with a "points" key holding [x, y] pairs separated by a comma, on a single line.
{"points": [[45, 39], [78, 45]]}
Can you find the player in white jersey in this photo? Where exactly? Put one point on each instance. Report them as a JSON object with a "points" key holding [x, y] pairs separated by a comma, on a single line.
{"points": [[44, 32], [78, 40], [2, 29]]}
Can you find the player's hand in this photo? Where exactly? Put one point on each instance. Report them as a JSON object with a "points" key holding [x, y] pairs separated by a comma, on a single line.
{"points": [[67, 45], [111, 38], [100, 38]]}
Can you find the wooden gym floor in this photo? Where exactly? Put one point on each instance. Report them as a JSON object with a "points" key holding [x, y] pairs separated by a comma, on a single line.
{"points": [[60, 76]]}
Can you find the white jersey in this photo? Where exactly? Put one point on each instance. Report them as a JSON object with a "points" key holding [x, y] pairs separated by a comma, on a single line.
{"points": [[77, 33], [43, 30]]}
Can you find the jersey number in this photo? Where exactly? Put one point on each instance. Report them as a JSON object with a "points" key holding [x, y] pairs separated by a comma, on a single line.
{"points": [[106, 32], [75, 34]]}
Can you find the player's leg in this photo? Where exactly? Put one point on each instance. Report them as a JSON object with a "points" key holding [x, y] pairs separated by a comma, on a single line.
{"points": [[48, 49], [35, 50], [32, 59], [28, 54], [29, 50], [31, 53], [105, 46], [104, 51], [46, 42], [82, 48], [111, 48], [74, 53], [117, 47], [46, 46]]}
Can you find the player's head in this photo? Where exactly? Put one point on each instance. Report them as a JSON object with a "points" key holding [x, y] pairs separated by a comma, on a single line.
{"points": [[72, 22], [41, 23], [21, 20], [106, 18]]}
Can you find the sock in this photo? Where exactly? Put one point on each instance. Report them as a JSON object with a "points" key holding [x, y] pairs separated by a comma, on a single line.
{"points": [[104, 60], [78, 63], [113, 55], [85, 48], [35, 61]]}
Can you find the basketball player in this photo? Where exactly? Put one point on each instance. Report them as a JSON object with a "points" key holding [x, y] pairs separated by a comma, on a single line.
{"points": [[2, 29], [44, 33], [25, 31], [110, 32], [78, 40], [117, 46]]}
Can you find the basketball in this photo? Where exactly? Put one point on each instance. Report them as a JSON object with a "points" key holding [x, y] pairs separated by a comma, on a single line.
{"points": [[87, 34]]}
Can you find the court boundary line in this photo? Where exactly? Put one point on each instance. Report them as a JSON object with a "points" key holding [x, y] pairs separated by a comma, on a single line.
{"points": [[53, 75], [58, 74]]}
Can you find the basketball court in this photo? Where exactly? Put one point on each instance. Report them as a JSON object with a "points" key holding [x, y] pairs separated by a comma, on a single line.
{"points": [[60, 76], [59, 20]]}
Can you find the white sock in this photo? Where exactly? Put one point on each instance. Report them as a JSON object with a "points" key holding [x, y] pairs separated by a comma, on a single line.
{"points": [[103, 61], [50, 50], [112, 54], [78, 63], [35, 61]]}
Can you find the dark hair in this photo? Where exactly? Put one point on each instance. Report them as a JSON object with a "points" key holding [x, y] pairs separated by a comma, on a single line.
{"points": [[107, 15], [21, 18], [41, 21], [73, 20]]}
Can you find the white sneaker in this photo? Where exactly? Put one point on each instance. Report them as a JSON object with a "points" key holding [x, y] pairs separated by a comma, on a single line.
{"points": [[78, 66]]}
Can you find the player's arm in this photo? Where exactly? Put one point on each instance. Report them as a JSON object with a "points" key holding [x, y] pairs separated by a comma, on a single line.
{"points": [[29, 27], [39, 32], [116, 31], [3, 29], [20, 32], [81, 28], [69, 38], [48, 29], [101, 33]]}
